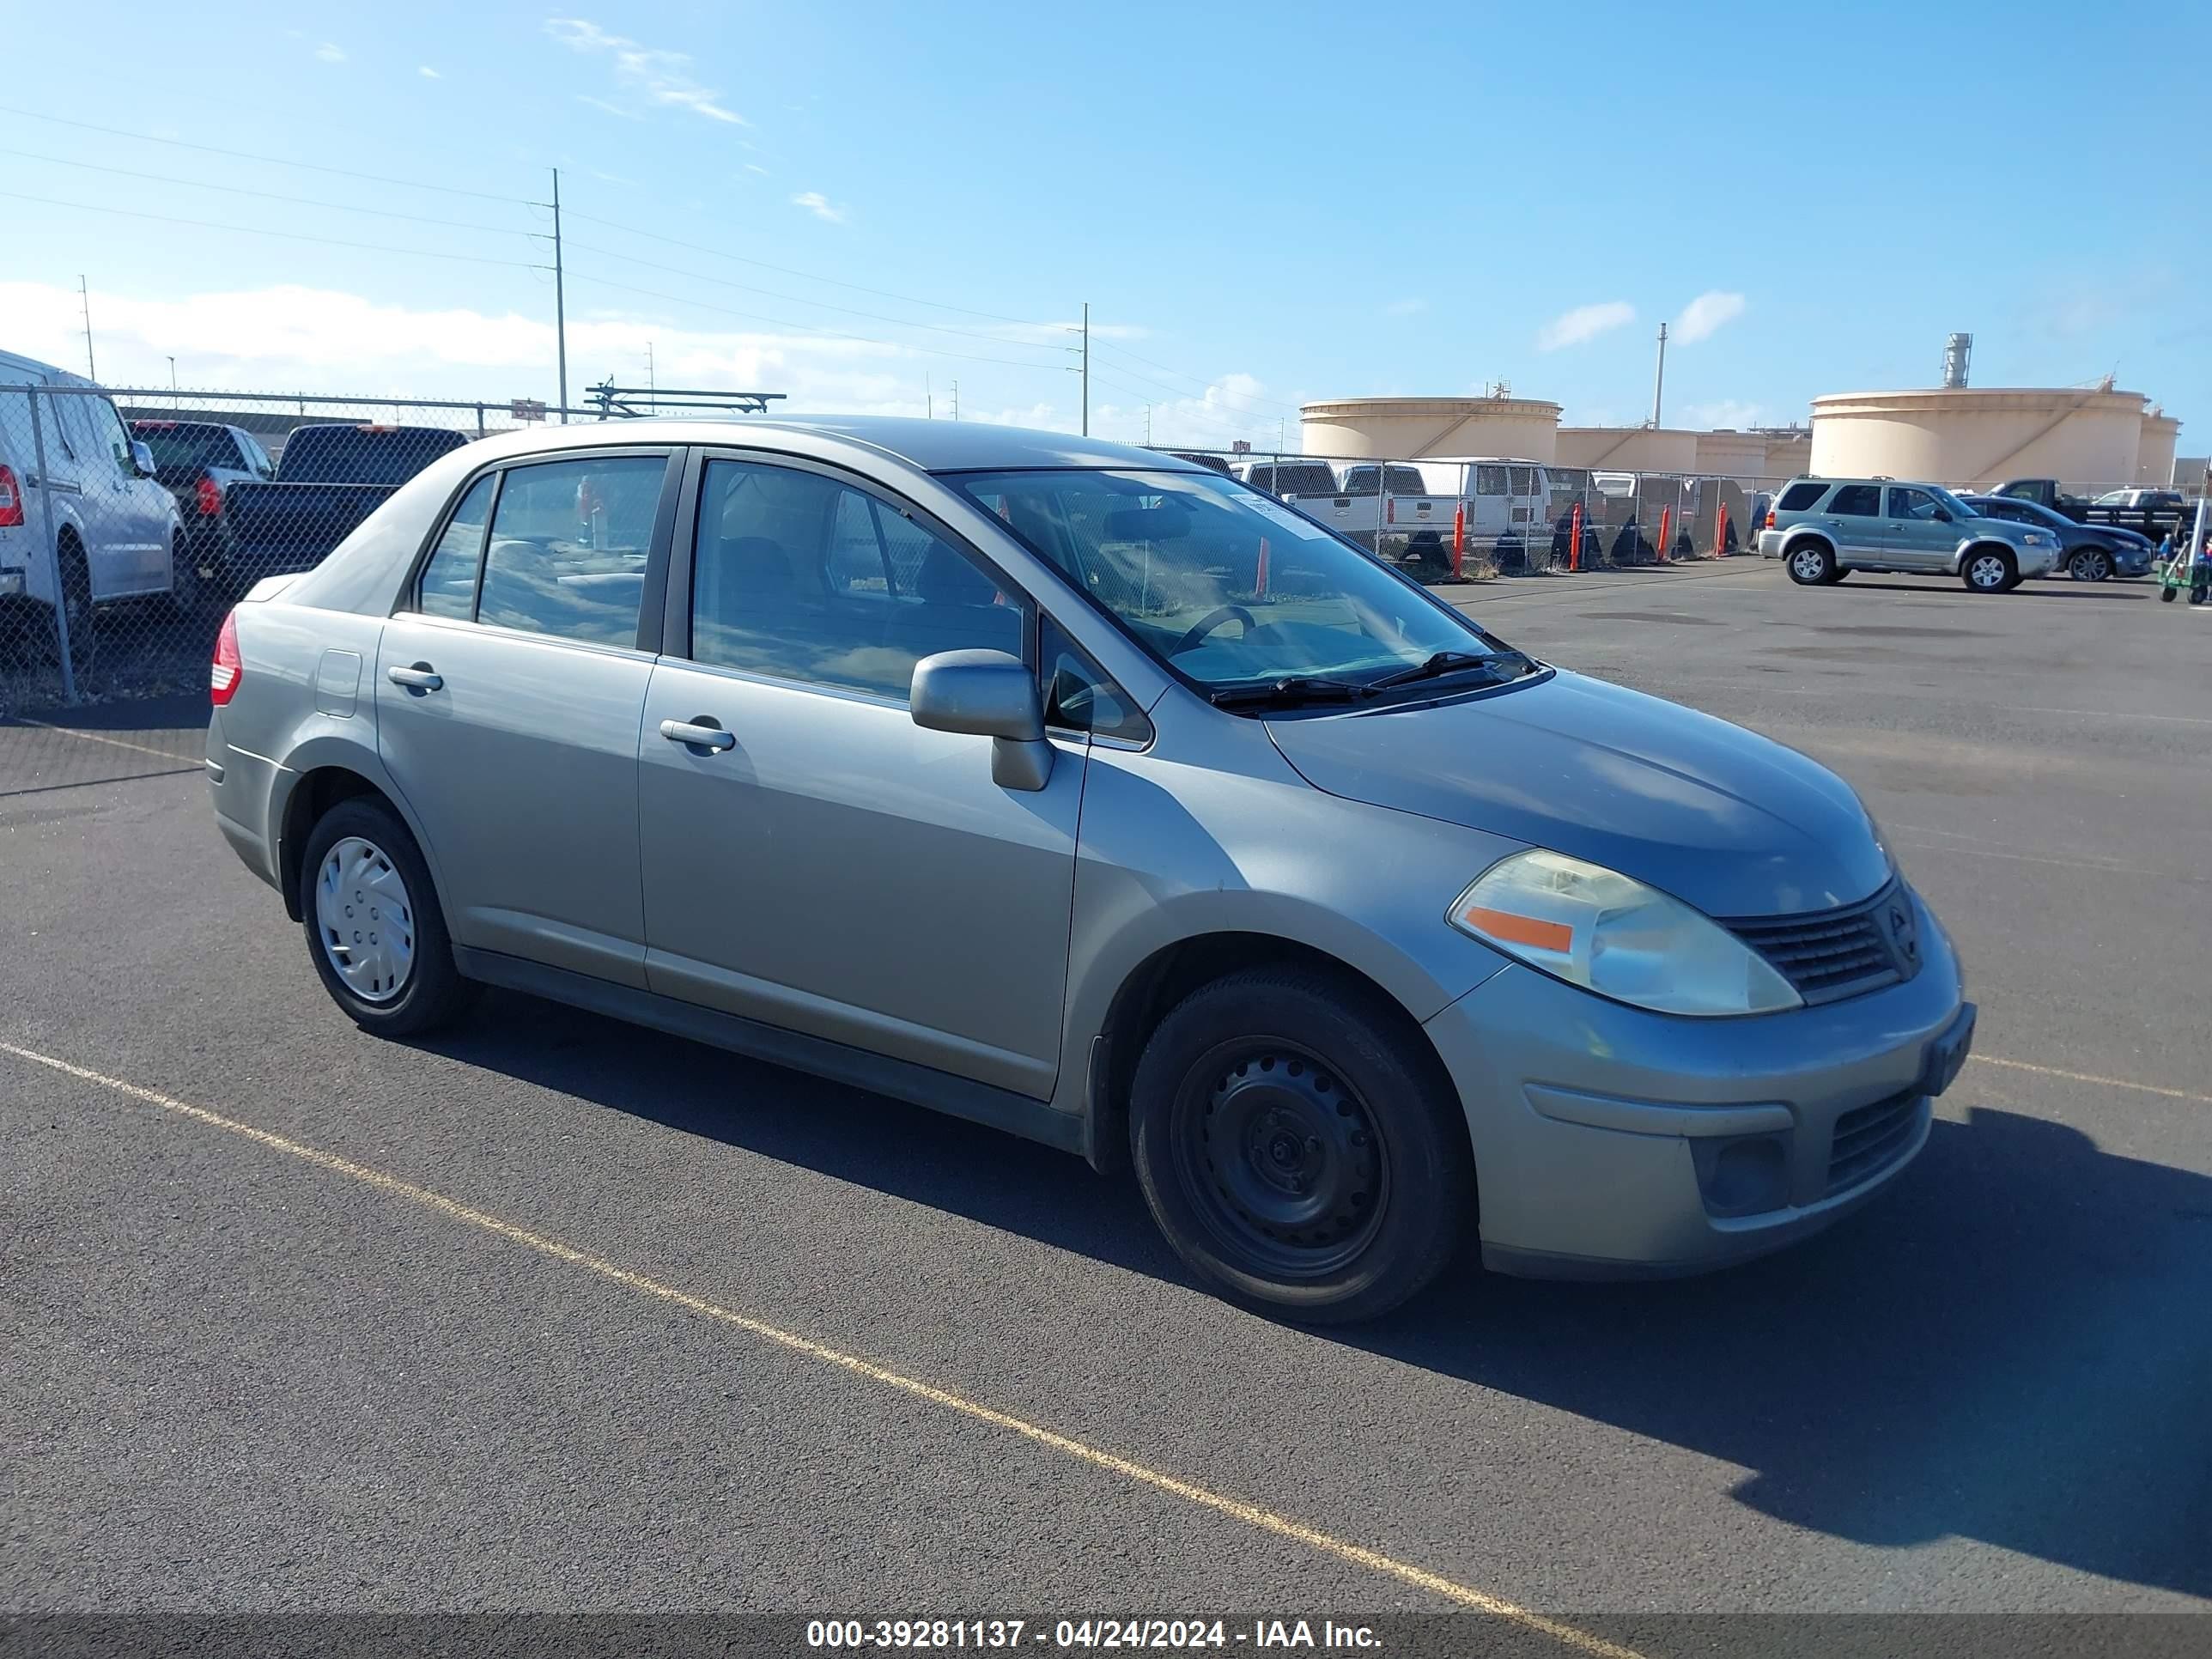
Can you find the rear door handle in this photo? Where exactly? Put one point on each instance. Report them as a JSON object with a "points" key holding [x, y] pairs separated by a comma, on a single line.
{"points": [[704, 732], [419, 677]]}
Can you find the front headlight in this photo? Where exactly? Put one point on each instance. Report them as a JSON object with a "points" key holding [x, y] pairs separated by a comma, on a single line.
{"points": [[1596, 929], [2036, 538]]}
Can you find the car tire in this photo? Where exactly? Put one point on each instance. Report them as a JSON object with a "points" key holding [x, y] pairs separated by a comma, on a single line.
{"points": [[187, 590], [381, 948], [2090, 564], [2165, 596], [77, 603], [1811, 563], [1989, 570], [1302, 1151]]}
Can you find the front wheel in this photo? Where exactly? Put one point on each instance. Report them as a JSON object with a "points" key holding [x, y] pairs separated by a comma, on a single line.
{"points": [[1812, 564], [2165, 596], [1990, 572], [1300, 1151], [374, 927], [2091, 564]]}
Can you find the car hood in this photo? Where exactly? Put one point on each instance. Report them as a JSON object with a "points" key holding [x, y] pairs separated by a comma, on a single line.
{"points": [[1721, 818]]}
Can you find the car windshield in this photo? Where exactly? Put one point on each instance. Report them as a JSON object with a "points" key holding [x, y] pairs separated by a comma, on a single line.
{"points": [[1228, 586]]}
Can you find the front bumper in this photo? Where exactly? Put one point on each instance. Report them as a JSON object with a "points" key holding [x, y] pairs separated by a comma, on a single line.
{"points": [[2037, 560], [1613, 1142]]}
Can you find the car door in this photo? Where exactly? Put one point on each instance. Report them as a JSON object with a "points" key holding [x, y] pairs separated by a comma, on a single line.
{"points": [[820, 862], [1917, 531], [136, 509], [508, 694], [1853, 517]]}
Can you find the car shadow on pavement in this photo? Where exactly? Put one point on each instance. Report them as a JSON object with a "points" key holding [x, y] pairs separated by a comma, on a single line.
{"points": [[2057, 588], [2014, 1345]]}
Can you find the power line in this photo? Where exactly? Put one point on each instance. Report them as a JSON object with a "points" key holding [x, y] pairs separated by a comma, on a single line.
{"points": [[808, 328], [1207, 386], [249, 156], [264, 195], [810, 276], [287, 235], [799, 299]]}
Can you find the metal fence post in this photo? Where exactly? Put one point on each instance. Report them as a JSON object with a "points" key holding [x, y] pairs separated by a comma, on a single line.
{"points": [[53, 551]]}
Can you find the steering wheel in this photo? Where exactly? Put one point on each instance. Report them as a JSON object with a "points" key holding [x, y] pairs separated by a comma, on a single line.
{"points": [[1212, 620]]}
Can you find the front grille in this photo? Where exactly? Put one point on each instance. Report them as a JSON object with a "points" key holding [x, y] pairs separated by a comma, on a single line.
{"points": [[1870, 1139], [1833, 954]]}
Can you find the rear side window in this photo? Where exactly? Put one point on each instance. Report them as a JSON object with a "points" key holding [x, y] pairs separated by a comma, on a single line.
{"points": [[1857, 501], [566, 553], [448, 587], [1798, 497]]}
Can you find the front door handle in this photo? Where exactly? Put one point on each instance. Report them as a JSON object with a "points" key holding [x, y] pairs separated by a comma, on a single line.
{"points": [[702, 733], [418, 678]]}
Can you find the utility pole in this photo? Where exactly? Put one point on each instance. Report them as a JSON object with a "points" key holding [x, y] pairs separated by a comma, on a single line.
{"points": [[1659, 380], [1148, 426], [1087, 369], [174, 400], [84, 298], [956, 400], [649, 383], [560, 300]]}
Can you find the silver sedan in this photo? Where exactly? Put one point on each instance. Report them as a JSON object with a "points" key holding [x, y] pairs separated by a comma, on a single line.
{"points": [[1083, 792]]}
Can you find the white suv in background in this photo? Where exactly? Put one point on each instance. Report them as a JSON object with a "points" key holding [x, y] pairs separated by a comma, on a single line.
{"points": [[115, 530]]}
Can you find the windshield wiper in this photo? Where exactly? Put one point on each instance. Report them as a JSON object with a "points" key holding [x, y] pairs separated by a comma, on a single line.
{"points": [[1291, 690], [1503, 665]]}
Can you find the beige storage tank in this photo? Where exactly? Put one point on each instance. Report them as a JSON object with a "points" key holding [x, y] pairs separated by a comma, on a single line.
{"points": [[1407, 428], [1980, 437], [1789, 454], [1628, 448], [1726, 454], [2155, 453]]}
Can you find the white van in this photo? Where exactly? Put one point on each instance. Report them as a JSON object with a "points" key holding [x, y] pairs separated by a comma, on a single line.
{"points": [[112, 531], [1506, 498]]}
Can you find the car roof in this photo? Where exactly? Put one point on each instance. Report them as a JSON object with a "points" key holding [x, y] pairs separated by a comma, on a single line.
{"points": [[929, 445]]}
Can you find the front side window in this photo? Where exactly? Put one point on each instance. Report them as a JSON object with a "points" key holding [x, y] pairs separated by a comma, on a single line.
{"points": [[1913, 504], [1857, 501], [1077, 694], [801, 577], [1228, 588], [566, 553]]}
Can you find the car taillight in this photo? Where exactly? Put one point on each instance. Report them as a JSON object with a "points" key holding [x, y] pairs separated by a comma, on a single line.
{"points": [[1769, 518], [210, 496], [11, 500], [228, 668]]}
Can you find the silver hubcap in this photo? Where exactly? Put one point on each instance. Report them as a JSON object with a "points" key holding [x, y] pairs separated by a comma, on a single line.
{"points": [[1989, 572], [365, 920], [1808, 566]]}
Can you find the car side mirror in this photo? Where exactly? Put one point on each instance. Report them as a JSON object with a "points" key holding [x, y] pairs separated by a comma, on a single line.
{"points": [[987, 693], [141, 458]]}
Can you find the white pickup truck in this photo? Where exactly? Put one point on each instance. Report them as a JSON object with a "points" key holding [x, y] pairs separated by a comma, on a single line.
{"points": [[1409, 510]]}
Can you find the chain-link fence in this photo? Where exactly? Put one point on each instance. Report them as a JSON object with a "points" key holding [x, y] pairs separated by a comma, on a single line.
{"points": [[131, 519]]}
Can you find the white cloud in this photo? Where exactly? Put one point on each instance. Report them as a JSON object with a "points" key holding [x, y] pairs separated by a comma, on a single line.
{"points": [[754, 166], [606, 108], [427, 73], [1405, 307], [330, 53], [661, 77], [1704, 315], [1728, 412], [819, 205], [1584, 323]]}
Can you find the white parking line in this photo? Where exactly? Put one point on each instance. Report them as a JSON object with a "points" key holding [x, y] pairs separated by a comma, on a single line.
{"points": [[112, 743]]}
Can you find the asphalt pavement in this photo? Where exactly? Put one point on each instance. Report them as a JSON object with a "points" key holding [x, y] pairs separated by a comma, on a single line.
{"points": [[552, 1314]]}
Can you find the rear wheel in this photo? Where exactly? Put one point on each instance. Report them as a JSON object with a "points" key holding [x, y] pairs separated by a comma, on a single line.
{"points": [[77, 609], [1987, 570], [2165, 596], [372, 924], [1812, 564], [187, 589], [1301, 1152]]}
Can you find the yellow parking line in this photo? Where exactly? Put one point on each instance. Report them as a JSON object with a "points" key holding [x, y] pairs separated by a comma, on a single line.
{"points": [[2091, 1077], [1250, 1514], [112, 743]]}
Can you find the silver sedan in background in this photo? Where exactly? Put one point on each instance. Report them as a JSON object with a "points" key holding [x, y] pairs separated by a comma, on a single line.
{"points": [[1081, 790]]}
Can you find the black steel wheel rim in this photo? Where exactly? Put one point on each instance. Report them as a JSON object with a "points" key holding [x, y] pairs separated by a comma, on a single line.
{"points": [[1281, 1159]]}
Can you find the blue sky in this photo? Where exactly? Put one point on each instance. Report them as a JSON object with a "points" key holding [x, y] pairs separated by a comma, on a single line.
{"points": [[1261, 206]]}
